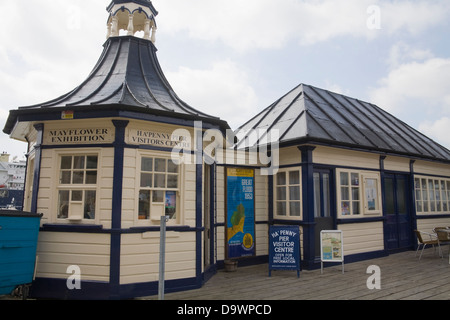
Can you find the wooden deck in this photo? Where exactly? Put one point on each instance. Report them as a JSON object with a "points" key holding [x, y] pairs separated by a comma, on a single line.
{"points": [[403, 277]]}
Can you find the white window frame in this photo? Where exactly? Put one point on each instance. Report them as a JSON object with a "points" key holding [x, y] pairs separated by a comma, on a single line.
{"points": [[155, 217], [72, 216], [359, 192], [276, 200], [440, 195]]}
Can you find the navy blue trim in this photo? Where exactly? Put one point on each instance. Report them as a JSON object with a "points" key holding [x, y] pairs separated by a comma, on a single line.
{"points": [[433, 216], [37, 165], [116, 213], [361, 220], [308, 204], [198, 204]]}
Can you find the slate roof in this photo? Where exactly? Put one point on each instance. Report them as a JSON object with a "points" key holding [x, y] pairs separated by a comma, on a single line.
{"points": [[127, 77], [311, 115]]}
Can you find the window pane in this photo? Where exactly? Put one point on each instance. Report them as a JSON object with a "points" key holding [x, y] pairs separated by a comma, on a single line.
{"points": [[160, 180], [171, 204], [91, 177], [345, 208], [147, 164], [158, 196], [160, 165], [66, 162], [78, 177], [294, 193], [294, 209], [281, 178], [281, 193], [66, 177], [294, 177], [146, 180], [144, 205], [63, 204], [91, 162], [89, 204], [78, 162], [355, 194], [355, 179], [172, 167], [77, 195], [281, 208], [345, 195], [344, 179], [355, 207], [172, 181]]}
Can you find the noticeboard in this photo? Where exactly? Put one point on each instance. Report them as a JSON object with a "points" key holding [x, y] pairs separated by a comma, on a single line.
{"points": [[240, 227], [284, 248], [331, 247]]}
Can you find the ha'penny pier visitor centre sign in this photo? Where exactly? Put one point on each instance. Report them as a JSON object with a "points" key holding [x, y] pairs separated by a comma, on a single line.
{"points": [[284, 248]]}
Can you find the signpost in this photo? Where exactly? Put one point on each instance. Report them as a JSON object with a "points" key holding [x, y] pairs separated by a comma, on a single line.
{"points": [[331, 247], [284, 248]]}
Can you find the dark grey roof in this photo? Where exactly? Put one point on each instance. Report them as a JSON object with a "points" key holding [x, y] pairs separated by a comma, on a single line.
{"points": [[127, 77], [312, 115]]}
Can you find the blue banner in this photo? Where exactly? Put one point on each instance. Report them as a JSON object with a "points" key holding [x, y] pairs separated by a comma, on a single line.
{"points": [[240, 227], [284, 248]]}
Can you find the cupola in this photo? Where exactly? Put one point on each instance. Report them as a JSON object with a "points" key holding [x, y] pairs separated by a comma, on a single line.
{"points": [[132, 17]]}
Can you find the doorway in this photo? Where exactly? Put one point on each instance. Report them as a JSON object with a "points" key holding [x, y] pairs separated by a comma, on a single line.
{"points": [[323, 217], [397, 231]]}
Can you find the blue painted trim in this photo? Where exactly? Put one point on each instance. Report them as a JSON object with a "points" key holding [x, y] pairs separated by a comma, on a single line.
{"points": [[37, 165], [308, 204], [198, 204], [116, 223]]}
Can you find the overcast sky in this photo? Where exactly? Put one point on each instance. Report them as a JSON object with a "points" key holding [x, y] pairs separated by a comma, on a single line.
{"points": [[233, 58]]}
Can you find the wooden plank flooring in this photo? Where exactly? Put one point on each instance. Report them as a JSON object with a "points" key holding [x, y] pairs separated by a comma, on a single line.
{"points": [[403, 277]]}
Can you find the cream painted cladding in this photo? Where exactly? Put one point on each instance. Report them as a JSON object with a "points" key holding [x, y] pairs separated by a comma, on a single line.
{"points": [[76, 187]]}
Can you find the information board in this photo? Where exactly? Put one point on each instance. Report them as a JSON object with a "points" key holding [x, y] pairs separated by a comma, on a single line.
{"points": [[331, 247], [240, 229], [284, 248]]}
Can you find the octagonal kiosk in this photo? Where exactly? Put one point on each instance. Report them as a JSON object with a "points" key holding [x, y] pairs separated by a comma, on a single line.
{"points": [[106, 161]]}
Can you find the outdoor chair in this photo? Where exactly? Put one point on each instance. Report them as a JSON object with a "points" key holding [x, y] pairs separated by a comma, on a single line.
{"points": [[443, 237], [432, 240]]}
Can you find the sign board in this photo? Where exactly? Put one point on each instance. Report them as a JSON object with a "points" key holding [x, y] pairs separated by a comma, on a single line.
{"points": [[331, 247], [284, 248], [240, 223]]}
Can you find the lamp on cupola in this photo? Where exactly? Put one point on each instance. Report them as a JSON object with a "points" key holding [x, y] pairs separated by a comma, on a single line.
{"points": [[132, 17]]}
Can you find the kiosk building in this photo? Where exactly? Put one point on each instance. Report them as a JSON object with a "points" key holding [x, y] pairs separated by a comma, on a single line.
{"points": [[107, 160]]}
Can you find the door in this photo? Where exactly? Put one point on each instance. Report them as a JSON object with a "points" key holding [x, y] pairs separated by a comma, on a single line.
{"points": [[398, 232], [322, 205]]}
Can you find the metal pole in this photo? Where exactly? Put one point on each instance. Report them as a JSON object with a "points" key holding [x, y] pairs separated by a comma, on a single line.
{"points": [[162, 257]]}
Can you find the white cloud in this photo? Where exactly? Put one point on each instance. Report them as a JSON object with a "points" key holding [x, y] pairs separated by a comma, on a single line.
{"points": [[263, 24], [223, 91], [437, 130], [420, 83]]}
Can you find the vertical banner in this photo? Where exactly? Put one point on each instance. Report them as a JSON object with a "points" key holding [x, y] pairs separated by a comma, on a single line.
{"points": [[331, 247], [284, 248], [240, 225]]}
